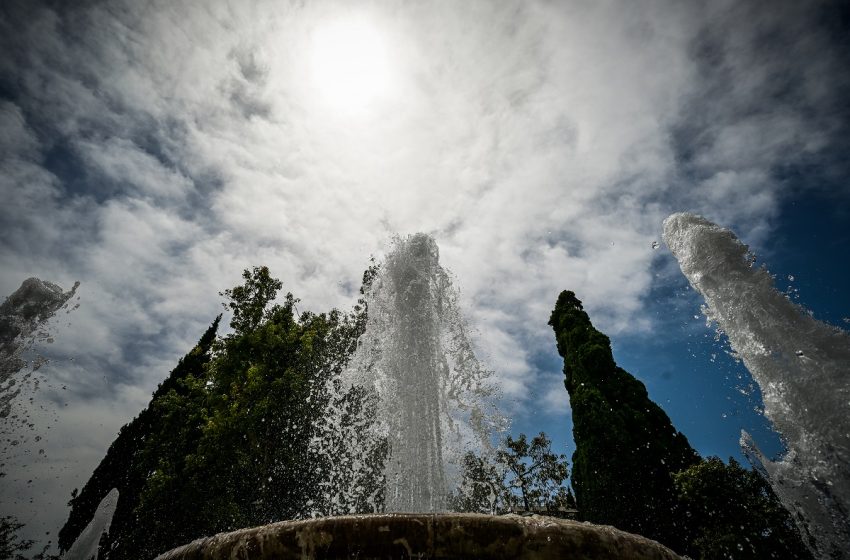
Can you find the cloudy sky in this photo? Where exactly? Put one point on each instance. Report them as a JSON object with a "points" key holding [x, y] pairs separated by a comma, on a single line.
{"points": [[153, 150]]}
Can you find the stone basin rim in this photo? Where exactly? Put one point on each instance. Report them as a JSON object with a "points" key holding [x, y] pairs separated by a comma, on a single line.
{"points": [[424, 535]]}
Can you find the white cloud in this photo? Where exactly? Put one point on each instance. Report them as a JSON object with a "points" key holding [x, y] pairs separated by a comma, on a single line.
{"points": [[132, 169], [153, 152], [554, 399]]}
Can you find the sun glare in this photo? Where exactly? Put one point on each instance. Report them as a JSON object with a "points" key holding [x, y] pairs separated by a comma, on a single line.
{"points": [[349, 64]]}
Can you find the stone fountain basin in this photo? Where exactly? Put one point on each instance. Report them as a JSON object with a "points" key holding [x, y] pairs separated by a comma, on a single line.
{"points": [[416, 535]]}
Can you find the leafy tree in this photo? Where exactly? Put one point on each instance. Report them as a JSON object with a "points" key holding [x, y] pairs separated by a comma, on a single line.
{"points": [[523, 475], [535, 473], [732, 512], [626, 447], [229, 442], [11, 545], [483, 488], [262, 401], [249, 302]]}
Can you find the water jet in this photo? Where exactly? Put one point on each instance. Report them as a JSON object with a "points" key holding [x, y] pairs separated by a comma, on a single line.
{"points": [[433, 395]]}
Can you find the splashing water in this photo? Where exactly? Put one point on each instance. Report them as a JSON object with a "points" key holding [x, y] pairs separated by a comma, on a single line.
{"points": [[86, 545], [23, 319], [801, 366], [433, 395]]}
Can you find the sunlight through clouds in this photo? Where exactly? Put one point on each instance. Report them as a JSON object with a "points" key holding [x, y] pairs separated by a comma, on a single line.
{"points": [[350, 64], [154, 150]]}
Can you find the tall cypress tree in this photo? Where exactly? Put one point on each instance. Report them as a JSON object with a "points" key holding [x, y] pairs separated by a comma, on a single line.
{"points": [[626, 447], [121, 467]]}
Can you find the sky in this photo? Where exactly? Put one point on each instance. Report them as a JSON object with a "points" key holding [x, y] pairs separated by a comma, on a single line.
{"points": [[153, 150]]}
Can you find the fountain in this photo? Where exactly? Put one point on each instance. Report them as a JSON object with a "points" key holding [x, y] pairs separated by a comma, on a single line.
{"points": [[801, 366], [432, 401], [433, 392]]}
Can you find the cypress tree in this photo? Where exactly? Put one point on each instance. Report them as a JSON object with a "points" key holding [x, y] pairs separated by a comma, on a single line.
{"points": [[121, 467], [626, 447]]}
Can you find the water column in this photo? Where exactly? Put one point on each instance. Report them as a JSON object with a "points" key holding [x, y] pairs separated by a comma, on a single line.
{"points": [[801, 366], [414, 363], [434, 399]]}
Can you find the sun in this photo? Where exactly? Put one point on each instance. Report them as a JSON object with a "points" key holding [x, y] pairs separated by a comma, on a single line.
{"points": [[350, 66]]}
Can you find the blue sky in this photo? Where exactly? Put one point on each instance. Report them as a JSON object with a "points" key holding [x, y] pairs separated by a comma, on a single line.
{"points": [[154, 150], [709, 395]]}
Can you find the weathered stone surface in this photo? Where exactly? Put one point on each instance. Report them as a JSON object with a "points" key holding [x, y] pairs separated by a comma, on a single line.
{"points": [[438, 536]]}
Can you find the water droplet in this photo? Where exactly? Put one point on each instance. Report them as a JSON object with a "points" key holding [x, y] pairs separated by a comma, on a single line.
{"points": [[799, 352], [655, 245], [751, 259], [790, 277]]}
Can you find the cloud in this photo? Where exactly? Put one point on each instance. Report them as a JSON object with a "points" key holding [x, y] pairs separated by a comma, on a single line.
{"points": [[554, 399], [153, 151]]}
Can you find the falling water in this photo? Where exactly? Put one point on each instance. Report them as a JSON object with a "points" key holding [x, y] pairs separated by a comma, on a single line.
{"points": [[432, 392], [87, 544], [801, 366]]}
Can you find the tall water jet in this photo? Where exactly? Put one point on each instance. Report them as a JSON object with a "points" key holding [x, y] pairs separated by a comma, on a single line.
{"points": [[801, 366], [416, 357]]}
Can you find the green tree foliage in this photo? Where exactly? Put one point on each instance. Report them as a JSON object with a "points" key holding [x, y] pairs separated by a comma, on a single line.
{"points": [[11, 546], [523, 476], [233, 441], [483, 487], [626, 447], [633, 470], [733, 513], [250, 301], [535, 474]]}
